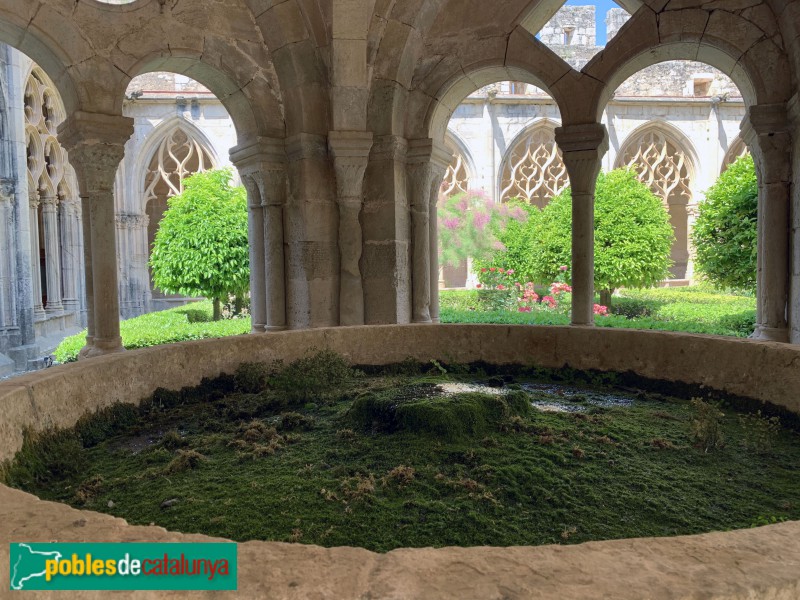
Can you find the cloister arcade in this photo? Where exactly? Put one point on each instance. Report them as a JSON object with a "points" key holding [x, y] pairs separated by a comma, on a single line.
{"points": [[341, 118]]}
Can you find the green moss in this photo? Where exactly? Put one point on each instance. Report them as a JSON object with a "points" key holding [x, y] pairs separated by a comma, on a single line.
{"points": [[465, 470]]}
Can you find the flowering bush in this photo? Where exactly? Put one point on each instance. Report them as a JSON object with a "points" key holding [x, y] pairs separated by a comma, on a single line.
{"points": [[497, 289], [468, 223]]}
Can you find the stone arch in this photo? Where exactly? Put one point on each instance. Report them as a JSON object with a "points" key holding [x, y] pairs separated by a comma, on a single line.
{"points": [[735, 151], [664, 160], [533, 168], [756, 65], [253, 106], [461, 169]]}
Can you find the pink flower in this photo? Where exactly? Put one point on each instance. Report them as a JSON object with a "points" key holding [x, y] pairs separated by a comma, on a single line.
{"points": [[481, 220], [493, 269], [500, 286], [451, 224], [502, 270], [525, 309], [479, 286], [563, 268], [601, 310], [483, 270], [510, 272], [550, 301], [496, 245]]}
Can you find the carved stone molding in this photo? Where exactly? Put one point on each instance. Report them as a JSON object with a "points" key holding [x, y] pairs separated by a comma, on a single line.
{"points": [[350, 151], [179, 155], [661, 165], [583, 147], [534, 169], [767, 130], [305, 146]]}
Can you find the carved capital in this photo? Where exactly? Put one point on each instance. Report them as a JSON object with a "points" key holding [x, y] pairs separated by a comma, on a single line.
{"points": [[49, 201], [583, 147], [253, 154], [350, 151], [767, 131], [96, 146]]}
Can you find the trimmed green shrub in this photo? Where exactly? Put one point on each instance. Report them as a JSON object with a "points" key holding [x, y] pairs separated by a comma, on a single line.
{"points": [[726, 229]]}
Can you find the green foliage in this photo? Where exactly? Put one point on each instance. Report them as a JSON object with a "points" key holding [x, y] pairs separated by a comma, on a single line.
{"points": [[469, 223], [312, 375], [633, 237], [164, 327], [689, 309], [201, 246], [421, 409], [725, 234], [45, 457], [760, 431]]}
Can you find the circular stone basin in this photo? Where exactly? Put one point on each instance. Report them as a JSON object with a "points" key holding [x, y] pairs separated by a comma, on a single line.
{"points": [[735, 564]]}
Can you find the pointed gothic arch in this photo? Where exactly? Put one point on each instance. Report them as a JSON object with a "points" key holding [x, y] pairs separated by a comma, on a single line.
{"points": [[735, 151], [175, 150], [533, 169], [664, 161], [461, 169]]}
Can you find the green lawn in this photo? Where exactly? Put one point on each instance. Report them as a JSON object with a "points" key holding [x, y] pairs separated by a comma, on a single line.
{"points": [[191, 322], [691, 309]]}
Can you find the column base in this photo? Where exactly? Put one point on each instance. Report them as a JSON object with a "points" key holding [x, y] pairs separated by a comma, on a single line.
{"points": [[575, 324], [275, 328], [258, 328], [770, 334], [422, 321], [53, 310], [104, 347]]}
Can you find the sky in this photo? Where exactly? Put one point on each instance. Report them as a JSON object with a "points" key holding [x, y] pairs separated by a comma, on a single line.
{"points": [[602, 9]]}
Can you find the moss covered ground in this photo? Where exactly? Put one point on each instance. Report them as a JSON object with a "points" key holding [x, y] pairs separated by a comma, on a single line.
{"points": [[315, 452]]}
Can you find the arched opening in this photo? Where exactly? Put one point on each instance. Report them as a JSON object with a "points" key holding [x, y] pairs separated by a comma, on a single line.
{"points": [[673, 123], [505, 132], [181, 128]]}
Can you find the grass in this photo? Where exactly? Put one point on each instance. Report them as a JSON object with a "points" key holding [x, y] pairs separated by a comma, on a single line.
{"points": [[192, 322], [694, 309], [377, 459]]}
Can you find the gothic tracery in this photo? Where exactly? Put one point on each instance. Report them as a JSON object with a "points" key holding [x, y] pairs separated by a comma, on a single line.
{"points": [[456, 179], [533, 169]]}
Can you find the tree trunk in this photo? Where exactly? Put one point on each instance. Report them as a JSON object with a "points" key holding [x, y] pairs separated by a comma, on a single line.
{"points": [[237, 304], [217, 309], [605, 298]]}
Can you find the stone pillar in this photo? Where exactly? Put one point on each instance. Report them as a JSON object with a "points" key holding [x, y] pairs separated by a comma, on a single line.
{"points": [[350, 150], [767, 132], [88, 279], [96, 145], [6, 287], [36, 266], [52, 253], [385, 219], [427, 164], [441, 158], [583, 148], [69, 251], [262, 166], [311, 224]]}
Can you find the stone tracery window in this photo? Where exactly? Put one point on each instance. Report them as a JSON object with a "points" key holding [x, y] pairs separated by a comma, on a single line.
{"points": [[665, 168], [52, 194], [456, 179], [178, 156], [737, 149], [533, 170]]}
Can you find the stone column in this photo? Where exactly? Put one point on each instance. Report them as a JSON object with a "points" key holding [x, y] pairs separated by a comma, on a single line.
{"points": [[311, 225], [350, 150], [440, 158], [767, 132], [583, 148], [6, 288], [262, 166], [52, 253], [96, 145], [36, 266], [427, 165], [385, 268], [69, 251]]}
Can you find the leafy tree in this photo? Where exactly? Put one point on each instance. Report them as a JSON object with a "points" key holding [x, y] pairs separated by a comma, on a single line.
{"points": [[725, 234], [201, 246], [514, 240], [633, 236]]}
